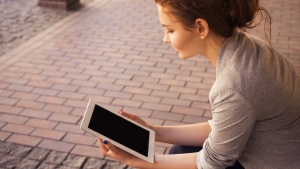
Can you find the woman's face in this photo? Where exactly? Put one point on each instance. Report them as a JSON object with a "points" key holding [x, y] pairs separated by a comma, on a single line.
{"points": [[186, 43]]}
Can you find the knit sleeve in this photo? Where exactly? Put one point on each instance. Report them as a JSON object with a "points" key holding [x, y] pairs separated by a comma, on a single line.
{"points": [[232, 122]]}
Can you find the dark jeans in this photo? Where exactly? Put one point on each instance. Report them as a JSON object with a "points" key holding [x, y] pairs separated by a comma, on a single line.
{"points": [[175, 149]]}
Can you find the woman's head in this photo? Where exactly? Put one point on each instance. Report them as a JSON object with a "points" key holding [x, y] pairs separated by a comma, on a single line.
{"points": [[185, 42], [222, 16]]}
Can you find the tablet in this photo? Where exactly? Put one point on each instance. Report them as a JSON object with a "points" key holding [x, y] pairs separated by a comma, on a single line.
{"points": [[121, 131]]}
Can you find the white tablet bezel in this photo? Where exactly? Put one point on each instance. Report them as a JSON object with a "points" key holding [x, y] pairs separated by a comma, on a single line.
{"points": [[85, 123]]}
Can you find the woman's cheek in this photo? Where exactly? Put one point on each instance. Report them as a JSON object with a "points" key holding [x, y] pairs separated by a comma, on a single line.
{"points": [[174, 41]]}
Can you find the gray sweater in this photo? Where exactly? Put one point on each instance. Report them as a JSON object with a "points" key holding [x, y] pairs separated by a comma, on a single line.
{"points": [[255, 108]]}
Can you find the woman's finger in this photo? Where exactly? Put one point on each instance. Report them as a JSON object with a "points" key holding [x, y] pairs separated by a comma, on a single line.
{"points": [[102, 147], [134, 118], [109, 146], [131, 116]]}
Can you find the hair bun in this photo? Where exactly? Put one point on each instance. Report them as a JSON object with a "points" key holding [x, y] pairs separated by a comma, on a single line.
{"points": [[241, 13]]}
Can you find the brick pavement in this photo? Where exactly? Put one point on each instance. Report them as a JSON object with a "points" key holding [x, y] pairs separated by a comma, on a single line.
{"points": [[20, 20], [110, 51]]}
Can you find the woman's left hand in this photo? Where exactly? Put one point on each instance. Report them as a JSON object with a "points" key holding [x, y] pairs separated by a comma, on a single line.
{"points": [[111, 151]]}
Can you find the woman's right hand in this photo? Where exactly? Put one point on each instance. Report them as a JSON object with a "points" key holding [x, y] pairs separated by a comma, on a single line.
{"points": [[134, 118]]}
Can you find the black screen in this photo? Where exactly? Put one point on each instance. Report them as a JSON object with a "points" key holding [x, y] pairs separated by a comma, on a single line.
{"points": [[120, 130]]}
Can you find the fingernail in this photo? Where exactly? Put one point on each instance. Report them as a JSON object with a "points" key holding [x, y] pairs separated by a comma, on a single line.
{"points": [[104, 141]]}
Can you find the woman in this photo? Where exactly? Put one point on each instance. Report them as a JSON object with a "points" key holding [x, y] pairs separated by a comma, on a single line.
{"points": [[255, 98]]}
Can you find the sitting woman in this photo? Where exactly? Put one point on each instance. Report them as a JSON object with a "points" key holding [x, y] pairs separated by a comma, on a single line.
{"points": [[255, 99]]}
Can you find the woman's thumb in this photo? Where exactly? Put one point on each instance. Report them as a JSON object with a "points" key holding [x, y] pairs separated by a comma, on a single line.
{"points": [[108, 145]]}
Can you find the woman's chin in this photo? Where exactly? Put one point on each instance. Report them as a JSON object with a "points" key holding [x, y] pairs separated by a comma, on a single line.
{"points": [[181, 56], [184, 57]]}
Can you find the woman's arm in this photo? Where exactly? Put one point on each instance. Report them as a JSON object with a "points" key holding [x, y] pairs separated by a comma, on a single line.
{"points": [[193, 135], [177, 161], [188, 135]]}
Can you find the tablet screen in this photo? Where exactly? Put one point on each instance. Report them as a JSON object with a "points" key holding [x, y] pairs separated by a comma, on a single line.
{"points": [[120, 130]]}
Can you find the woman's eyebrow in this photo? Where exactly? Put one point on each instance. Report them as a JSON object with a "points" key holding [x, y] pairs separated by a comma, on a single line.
{"points": [[166, 25]]}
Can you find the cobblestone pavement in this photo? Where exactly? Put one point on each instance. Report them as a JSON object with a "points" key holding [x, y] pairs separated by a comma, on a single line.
{"points": [[110, 51], [24, 157], [22, 19]]}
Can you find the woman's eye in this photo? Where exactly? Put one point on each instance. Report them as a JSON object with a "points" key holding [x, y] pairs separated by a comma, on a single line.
{"points": [[170, 31]]}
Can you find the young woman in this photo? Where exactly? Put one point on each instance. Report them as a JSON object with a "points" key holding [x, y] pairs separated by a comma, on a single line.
{"points": [[255, 98]]}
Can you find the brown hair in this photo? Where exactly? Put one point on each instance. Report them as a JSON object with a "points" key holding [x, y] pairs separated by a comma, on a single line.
{"points": [[222, 16]]}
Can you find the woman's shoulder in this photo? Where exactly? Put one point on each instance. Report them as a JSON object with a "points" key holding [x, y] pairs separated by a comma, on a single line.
{"points": [[248, 56], [255, 69]]}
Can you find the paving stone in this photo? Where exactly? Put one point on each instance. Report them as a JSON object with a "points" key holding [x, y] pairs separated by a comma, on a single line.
{"points": [[66, 167], [38, 154], [48, 166], [56, 157], [114, 165], [74, 161], [9, 162], [2, 155], [93, 163], [6, 147], [27, 163], [19, 151]]}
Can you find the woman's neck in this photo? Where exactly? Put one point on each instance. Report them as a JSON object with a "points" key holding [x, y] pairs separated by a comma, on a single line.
{"points": [[214, 44]]}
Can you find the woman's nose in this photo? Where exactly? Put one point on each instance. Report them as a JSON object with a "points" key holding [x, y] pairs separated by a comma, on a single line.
{"points": [[166, 39]]}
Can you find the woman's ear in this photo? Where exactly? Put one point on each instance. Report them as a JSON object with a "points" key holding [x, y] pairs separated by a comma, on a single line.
{"points": [[202, 28]]}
